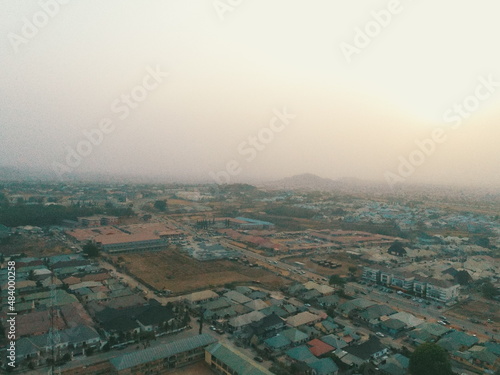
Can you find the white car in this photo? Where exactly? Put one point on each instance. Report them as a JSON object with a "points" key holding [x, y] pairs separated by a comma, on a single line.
{"points": [[380, 334]]}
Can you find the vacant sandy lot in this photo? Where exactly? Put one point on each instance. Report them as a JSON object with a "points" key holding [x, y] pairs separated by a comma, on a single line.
{"points": [[479, 310], [175, 271], [33, 246], [325, 271]]}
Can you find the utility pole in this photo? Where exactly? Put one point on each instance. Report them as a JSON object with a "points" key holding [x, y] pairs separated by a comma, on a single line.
{"points": [[202, 313], [54, 337]]}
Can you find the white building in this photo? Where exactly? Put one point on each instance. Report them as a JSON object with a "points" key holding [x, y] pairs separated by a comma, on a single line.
{"points": [[443, 291]]}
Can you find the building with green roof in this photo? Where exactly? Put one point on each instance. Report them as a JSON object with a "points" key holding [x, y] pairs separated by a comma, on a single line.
{"points": [[301, 354], [228, 361], [324, 366], [295, 336], [278, 342], [457, 340], [162, 358]]}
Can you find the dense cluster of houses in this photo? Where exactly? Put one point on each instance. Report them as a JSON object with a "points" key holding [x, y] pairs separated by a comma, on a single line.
{"points": [[68, 306], [294, 329], [88, 308]]}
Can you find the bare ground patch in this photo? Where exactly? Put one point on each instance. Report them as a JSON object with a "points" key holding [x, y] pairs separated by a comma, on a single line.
{"points": [[173, 270]]}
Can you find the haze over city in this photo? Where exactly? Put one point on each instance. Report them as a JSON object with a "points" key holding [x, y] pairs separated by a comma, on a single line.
{"points": [[260, 187], [208, 78]]}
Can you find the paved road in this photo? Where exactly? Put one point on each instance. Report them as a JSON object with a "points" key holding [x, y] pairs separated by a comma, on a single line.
{"points": [[421, 310]]}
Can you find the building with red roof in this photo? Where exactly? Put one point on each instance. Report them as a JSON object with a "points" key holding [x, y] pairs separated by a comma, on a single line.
{"points": [[319, 348]]}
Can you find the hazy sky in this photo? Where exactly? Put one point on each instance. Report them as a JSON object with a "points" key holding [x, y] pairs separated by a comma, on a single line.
{"points": [[364, 81]]}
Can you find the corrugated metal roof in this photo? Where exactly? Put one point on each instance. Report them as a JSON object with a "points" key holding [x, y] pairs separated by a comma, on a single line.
{"points": [[162, 351], [236, 360]]}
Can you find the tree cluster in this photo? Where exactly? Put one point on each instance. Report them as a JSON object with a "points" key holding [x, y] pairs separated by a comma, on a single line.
{"points": [[430, 359], [41, 215]]}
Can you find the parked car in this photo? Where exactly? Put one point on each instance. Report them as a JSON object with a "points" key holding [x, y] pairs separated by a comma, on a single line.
{"points": [[379, 334]]}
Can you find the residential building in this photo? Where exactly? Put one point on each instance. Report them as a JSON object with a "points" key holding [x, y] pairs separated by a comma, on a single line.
{"points": [[162, 358], [403, 281], [443, 291], [303, 318], [371, 274], [227, 361], [196, 298]]}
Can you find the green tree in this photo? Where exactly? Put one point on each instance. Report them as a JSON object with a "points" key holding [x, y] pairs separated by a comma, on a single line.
{"points": [[463, 277], [336, 280], [160, 205], [430, 359], [489, 290], [396, 248], [91, 250]]}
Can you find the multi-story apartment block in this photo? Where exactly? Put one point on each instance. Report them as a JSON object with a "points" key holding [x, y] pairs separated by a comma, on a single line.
{"points": [[385, 277], [371, 273], [443, 291], [439, 290], [420, 287], [403, 280]]}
